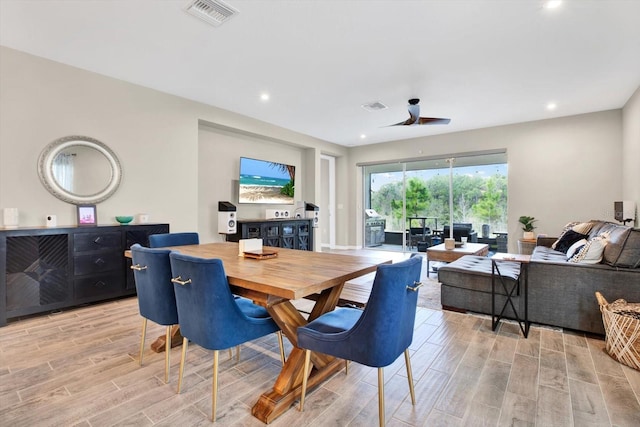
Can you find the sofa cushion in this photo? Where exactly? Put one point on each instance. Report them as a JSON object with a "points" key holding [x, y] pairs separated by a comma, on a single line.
{"points": [[569, 238], [473, 272], [576, 247], [545, 254], [623, 249], [566, 228], [591, 252]]}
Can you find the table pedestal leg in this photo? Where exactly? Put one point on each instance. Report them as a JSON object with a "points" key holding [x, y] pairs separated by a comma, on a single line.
{"points": [[176, 340], [288, 386]]}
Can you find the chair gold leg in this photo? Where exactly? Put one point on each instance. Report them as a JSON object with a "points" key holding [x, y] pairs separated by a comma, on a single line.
{"points": [[305, 375], [214, 391], [407, 362], [281, 344], [381, 396], [185, 343], [237, 354], [144, 333], [230, 353], [346, 367], [167, 354]]}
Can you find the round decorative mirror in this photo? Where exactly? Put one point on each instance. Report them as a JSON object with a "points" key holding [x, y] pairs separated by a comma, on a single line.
{"points": [[79, 170]]}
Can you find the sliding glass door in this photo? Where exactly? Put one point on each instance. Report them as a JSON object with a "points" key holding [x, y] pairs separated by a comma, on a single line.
{"points": [[413, 197]]}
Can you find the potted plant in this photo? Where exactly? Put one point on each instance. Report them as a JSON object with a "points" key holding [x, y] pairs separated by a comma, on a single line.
{"points": [[527, 226]]}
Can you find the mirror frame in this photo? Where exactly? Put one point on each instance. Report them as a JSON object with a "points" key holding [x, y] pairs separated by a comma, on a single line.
{"points": [[45, 169]]}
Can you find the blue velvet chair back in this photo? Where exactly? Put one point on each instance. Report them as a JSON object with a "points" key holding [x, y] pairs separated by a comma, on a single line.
{"points": [[209, 314], [383, 331], [173, 239], [156, 298], [385, 328]]}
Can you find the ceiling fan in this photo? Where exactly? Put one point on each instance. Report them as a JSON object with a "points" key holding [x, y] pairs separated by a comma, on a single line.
{"points": [[415, 119]]}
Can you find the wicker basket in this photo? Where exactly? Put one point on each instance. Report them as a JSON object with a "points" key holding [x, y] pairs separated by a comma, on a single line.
{"points": [[622, 327]]}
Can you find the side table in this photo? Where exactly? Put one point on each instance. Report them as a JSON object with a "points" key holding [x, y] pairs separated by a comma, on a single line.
{"points": [[526, 246], [523, 278]]}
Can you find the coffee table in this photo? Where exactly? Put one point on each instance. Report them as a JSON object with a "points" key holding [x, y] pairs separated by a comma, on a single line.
{"points": [[440, 253]]}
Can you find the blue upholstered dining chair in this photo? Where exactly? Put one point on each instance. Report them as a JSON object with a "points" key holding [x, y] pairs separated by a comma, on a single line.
{"points": [[156, 298], [375, 336], [173, 239], [209, 314]]}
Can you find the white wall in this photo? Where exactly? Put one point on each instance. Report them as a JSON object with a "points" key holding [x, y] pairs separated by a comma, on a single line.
{"points": [[631, 149], [155, 135], [218, 180], [560, 170]]}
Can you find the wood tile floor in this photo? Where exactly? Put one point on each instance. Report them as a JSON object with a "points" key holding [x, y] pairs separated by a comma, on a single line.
{"points": [[79, 368]]}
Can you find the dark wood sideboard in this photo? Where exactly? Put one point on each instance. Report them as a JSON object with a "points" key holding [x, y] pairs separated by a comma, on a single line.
{"points": [[281, 233], [45, 269]]}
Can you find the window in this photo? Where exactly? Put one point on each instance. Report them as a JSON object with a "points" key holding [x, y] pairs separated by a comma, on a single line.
{"points": [[400, 191]]}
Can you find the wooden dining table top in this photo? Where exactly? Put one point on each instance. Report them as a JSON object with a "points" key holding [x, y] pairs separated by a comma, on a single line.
{"points": [[293, 274]]}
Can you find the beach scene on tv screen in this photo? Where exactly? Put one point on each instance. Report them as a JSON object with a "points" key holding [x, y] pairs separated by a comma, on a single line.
{"points": [[266, 182]]}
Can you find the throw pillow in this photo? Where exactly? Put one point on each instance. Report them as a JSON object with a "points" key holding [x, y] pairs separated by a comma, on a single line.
{"points": [[583, 227], [568, 239], [591, 252], [576, 247], [566, 228]]}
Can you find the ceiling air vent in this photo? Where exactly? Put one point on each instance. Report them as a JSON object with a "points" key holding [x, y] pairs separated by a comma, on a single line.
{"points": [[215, 12], [374, 106]]}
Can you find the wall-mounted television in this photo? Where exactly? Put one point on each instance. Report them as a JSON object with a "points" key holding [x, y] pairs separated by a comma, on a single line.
{"points": [[266, 182]]}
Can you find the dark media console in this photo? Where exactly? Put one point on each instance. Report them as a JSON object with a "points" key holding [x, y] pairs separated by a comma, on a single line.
{"points": [[44, 269], [280, 233]]}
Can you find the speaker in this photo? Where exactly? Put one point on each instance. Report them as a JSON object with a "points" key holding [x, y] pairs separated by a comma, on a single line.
{"points": [[311, 211], [624, 211], [277, 214], [227, 220]]}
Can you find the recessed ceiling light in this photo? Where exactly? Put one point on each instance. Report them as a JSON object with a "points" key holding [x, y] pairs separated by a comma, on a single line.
{"points": [[552, 106], [552, 4], [363, 136], [264, 97]]}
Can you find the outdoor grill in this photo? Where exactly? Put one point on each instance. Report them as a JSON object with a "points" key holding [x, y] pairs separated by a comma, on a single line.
{"points": [[374, 226]]}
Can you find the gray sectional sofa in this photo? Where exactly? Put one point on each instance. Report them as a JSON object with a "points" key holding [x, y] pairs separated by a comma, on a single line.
{"points": [[561, 292]]}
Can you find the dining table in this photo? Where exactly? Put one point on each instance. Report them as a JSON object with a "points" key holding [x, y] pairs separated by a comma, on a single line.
{"points": [[275, 283]]}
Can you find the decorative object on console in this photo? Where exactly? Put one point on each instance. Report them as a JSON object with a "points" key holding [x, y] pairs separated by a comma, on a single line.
{"points": [[142, 218], [10, 217], [124, 219], [87, 215], [527, 226], [51, 221], [227, 221]]}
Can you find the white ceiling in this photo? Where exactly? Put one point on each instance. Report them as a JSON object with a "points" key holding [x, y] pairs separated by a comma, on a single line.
{"points": [[479, 62]]}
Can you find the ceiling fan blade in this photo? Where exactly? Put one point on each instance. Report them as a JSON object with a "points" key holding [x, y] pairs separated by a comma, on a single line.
{"points": [[415, 119], [432, 121]]}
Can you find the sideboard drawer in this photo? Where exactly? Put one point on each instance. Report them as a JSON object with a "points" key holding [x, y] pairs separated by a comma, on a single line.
{"points": [[84, 242], [98, 286], [97, 263]]}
